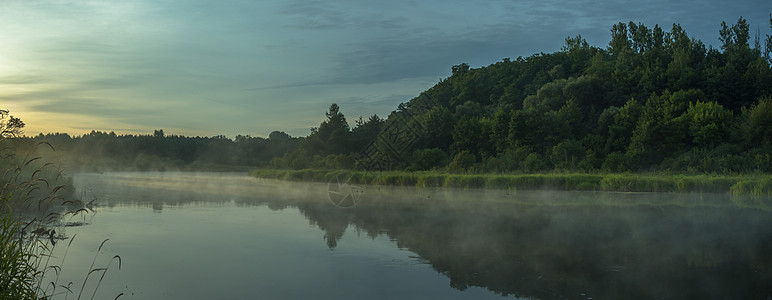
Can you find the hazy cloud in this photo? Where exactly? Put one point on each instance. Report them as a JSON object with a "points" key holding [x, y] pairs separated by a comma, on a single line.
{"points": [[207, 67]]}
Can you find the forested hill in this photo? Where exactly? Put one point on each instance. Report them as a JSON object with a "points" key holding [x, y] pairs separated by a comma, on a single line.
{"points": [[653, 99]]}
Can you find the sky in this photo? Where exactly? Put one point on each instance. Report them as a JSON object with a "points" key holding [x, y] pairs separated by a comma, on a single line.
{"points": [[204, 68]]}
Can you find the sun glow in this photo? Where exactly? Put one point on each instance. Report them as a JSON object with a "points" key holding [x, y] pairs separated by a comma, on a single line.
{"points": [[51, 122]]}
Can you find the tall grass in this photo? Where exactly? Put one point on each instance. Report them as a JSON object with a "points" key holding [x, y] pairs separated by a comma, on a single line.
{"points": [[17, 271], [624, 182], [759, 186], [31, 208]]}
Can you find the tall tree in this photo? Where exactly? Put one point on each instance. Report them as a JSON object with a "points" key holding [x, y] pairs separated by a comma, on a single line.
{"points": [[10, 126], [768, 43], [332, 136]]}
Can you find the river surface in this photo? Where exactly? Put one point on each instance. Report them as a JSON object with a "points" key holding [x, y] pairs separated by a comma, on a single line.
{"points": [[230, 236]]}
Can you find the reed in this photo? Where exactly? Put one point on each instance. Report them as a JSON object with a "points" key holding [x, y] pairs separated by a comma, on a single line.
{"points": [[759, 186], [31, 209], [748, 184], [17, 271]]}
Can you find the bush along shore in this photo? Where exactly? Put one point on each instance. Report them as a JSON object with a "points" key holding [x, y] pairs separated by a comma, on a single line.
{"points": [[756, 185]]}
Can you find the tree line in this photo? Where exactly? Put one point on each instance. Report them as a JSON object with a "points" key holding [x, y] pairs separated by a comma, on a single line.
{"points": [[651, 100], [103, 151]]}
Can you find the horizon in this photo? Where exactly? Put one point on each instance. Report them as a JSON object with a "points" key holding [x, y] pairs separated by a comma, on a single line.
{"points": [[242, 68]]}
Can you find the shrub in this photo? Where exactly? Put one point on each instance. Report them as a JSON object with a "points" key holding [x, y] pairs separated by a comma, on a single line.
{"points": [[758, 127], [427, 159], [615, 162], [462, 162], [533, 163]]}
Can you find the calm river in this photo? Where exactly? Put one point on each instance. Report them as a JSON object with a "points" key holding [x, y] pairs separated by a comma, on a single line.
{"points": [[230, 236]]}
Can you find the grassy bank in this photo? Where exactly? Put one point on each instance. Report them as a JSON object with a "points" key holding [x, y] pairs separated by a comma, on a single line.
{"points": [[759, 185]]}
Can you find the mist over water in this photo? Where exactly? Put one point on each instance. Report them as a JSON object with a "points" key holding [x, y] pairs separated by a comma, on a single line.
{"points": [[229, 236]]}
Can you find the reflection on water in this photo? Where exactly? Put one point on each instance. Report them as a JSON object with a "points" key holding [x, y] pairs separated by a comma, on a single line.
{"points": [[203, 236]]}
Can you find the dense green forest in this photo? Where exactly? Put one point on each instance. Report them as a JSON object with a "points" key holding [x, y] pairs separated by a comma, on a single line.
{"points": [[651, 100]]}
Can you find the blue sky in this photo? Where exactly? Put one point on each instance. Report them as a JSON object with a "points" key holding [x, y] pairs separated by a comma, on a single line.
{"points": [[203, 68]]}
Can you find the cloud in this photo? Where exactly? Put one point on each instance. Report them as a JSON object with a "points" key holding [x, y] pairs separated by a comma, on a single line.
{"points": [[325, 15], [95, 107], [250, 65], [314, 15], [392, 59]]}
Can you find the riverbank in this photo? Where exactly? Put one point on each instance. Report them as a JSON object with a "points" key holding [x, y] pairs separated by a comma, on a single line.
{"points": [[749, 184]]}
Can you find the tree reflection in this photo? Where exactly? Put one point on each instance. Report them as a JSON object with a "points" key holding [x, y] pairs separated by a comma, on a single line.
{"points": [[333, 222], [558, 252], [548, 246]]}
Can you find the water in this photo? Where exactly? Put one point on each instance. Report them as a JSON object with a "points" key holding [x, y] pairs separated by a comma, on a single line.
{"points": [[229, 236]]}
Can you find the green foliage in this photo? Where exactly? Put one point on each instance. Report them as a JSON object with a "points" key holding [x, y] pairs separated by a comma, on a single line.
{"points": [[589, 92], [601, 65], [439, 125], [625, 120], [462, 161], [332, 136], [465, 181], [569, 119], [366, 131], [533, 163], [592, 161], [758, 127], [654, 100], [430, 181], [17, 269], [470, 109], [427, 159], [472, 134], [723, 159], [500, 130], [754, 187], [524, 128], [567, 154], [575, 43], [662, 128], [677, 183], [768, 43], [577, 110], [618, 182], [615, 162], [549, 97], [507, 161], [100, 151], [709, 123]]}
